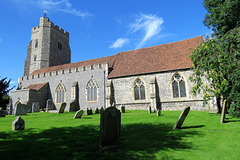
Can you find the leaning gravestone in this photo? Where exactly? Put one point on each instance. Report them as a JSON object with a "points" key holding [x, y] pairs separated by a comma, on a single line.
{"points": [[223, 112], [18, 124], [62, 108], [21, 109], [110, 128], [78, 114], [35, 107], [49, 105], [182, 118]]}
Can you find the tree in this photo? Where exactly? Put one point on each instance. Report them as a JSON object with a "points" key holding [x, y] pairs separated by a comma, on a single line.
{"points": [[217, 57], [4, 89], [222, 16]]}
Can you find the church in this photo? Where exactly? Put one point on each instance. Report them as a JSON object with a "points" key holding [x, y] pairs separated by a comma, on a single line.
{"points": [[155, 76]]}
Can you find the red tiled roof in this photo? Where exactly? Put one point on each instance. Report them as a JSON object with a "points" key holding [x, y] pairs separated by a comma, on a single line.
{"points": [[170, 56], [36, 86], [164, 57], [109, 60]]}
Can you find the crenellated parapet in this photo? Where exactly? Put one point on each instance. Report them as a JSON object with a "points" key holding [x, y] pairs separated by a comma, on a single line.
{"points": [[45, 22], [66, 71]]}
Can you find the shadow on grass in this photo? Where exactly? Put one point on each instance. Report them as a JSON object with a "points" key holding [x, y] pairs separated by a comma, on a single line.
{"points": [[138, 141], [188, 127]]}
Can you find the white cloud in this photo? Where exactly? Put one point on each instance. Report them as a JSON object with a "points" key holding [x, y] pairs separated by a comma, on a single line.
{"points": [[119, 43], [53, 5], [150, 24]]}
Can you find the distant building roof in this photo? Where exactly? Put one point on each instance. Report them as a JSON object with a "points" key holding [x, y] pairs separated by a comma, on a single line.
{"points": [[170, 56], [36, 87]]}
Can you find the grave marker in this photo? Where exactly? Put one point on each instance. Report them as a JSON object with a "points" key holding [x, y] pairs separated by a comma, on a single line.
{"points": [[35, 107], [21, 109], [223, 112], [18, 124], [122, 109], [181, 118], [110, 128], [78, 114], [62, 108], [49, 105]]}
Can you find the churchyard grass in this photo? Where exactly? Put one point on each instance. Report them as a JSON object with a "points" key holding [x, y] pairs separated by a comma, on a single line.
{"points": [[143, 136]]}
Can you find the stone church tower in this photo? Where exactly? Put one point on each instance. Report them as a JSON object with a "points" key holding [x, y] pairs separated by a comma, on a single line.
{"points": [[49, 46]]}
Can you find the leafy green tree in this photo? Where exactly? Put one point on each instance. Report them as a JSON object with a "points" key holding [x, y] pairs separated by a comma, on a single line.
{"points": [[222, 16], [217, 57], [4, 89]]}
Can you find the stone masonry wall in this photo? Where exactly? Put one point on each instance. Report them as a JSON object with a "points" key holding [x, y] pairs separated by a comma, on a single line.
{"points": [[124, 92]]}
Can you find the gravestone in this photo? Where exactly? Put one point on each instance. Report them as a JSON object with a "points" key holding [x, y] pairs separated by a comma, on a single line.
{"points": [[62, 108], [73, 106], [89, 111], [21, 109], [2, 112], [110, 128], [35, 107], [101, 110], [49, 105], [149, 109], [97, 111], [18, 124], [181, 118], [122, 109], [223, 112], [158, 112], [78, 114]]}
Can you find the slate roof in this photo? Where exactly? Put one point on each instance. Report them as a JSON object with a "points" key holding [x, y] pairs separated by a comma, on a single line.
{"points": [[36, 87], [170, 56]]}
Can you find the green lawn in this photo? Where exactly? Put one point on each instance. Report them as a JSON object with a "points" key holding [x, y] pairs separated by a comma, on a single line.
{"points": [[143, 136]]}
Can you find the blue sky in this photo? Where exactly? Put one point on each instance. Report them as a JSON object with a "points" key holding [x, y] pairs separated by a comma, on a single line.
{"points": [[98, 28]]}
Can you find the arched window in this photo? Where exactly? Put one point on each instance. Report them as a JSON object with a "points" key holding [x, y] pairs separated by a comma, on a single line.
{"points": [[60, 93], [91, 91], [178, 86], [139, 90]]}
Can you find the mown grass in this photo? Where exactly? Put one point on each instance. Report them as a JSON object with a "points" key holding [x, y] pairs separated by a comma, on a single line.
{"points": [[143, 136]]}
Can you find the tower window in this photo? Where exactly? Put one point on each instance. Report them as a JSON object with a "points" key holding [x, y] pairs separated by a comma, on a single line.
{"points": [[36, 43], [59, 45], [35, 58]]}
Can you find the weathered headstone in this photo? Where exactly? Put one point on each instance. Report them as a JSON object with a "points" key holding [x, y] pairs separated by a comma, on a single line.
{"points": [[62, 108], [89, 111], [21, 109], [49, 105], [73, 106], [158, 112], [101, 110], [110, 128], [97, 111], [78, 114], [223, 112], [2, 112], [35, 107], [18, 124], [149, 109], [122, 109], [181, 118]]}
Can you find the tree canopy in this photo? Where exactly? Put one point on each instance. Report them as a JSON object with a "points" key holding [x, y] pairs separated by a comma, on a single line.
{"points": [[4, 89], [217, 57]]}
